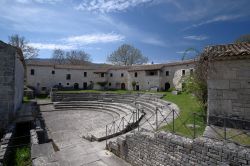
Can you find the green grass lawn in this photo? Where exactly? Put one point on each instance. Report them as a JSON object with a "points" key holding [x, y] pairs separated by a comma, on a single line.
{"points": [[188, 105]]}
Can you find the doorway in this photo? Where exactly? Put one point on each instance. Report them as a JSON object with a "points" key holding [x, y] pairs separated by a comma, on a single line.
{"points": [[76, 86], [85, 85], [137, 87], [167, 86], [123, 87]]}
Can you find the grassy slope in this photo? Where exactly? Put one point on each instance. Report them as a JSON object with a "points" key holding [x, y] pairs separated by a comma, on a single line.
{"points": [[188, 105]]}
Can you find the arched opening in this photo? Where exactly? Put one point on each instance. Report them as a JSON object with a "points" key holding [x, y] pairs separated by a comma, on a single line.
{"points": [[76, 86], [167, 86], [123, 87], [85, 85]]}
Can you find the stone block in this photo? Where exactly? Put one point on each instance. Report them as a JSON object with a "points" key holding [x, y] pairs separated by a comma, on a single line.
{"points": [[245, 83], [243, 74], [235, 84], [38, 150], [229, 74], [230, 94], [218, 84]]}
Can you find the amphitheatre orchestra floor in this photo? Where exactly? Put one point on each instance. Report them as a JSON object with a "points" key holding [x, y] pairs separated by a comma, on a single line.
{"points": [[66, 128]]}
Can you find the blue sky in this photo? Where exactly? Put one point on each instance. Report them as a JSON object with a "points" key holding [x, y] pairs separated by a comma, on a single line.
{"points": [[161, 29]]}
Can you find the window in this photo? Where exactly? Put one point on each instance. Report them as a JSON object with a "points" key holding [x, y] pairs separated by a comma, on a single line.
{"points": [[183, 72], [60, 84], [67, 83], [122, 74], [135, 74], [191, 71], [111, 74], [32, 72], [68, 77], [102, 74], [151, 73], [167, 73], [85, 74], [44, 88], [110, 84], [53, 72]]}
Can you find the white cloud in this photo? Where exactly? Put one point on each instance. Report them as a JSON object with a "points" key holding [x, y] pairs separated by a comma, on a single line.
{"points": [[215, 19], [181, 52], [39, 1], [193, 37], [51, 46], [110, 5], [78, 42], [154, 41], [95, 38]]}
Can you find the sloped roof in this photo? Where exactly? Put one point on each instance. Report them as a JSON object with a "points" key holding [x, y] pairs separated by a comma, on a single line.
{"points": [[159, 66], [146, 67], [56, 65], [102, 68], [236, 50]]}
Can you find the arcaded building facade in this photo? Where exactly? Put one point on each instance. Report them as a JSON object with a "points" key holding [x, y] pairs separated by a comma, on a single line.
{"points": [[42, 75]]}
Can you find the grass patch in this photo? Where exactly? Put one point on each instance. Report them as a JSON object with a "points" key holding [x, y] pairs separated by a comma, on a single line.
{"points": [[188, 105], [26, 99], [235, 135], [20, 157], [42, 96]]}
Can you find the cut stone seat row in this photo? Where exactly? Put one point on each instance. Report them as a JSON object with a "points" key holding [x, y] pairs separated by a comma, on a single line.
{"points": [[114, 112], [111, 113], [114, 128], [126, 109], [61, 96]]}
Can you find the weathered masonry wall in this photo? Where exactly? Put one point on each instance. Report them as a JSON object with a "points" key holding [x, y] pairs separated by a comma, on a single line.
{"points": [[11, 83], [229, 89], [158, 149]]}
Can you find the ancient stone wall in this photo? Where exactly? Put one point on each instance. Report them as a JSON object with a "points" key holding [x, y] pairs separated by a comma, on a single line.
{"points": [[11, 83], [158, 149], [229, 89]]}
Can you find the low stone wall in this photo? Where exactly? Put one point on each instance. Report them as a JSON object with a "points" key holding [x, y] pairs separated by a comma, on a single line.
{"points": [[6, 142], [158, 149]]}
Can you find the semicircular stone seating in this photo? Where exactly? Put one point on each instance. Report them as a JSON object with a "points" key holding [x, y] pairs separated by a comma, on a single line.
{"points": [[118, 106]]}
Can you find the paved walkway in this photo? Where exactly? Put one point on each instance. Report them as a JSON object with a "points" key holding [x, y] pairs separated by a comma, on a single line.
{"points": [[66, 128]]}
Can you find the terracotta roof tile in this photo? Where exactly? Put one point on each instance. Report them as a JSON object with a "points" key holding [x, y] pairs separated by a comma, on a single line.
{"points": [[228, 50]]}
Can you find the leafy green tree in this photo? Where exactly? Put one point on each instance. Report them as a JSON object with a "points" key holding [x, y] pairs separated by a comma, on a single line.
{"points": [[196, 83]]}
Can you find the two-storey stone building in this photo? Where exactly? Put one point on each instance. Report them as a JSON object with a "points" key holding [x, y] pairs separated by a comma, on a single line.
{"points": [[45, 74]]}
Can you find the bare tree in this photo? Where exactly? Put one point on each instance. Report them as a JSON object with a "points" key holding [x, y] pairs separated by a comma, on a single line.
{"points": [[58, 56], [127, 55], [77, 57], [22, 43], [70, 57]]}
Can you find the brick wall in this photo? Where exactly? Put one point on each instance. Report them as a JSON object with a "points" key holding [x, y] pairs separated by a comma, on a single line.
{"points": [[159, 149]]}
